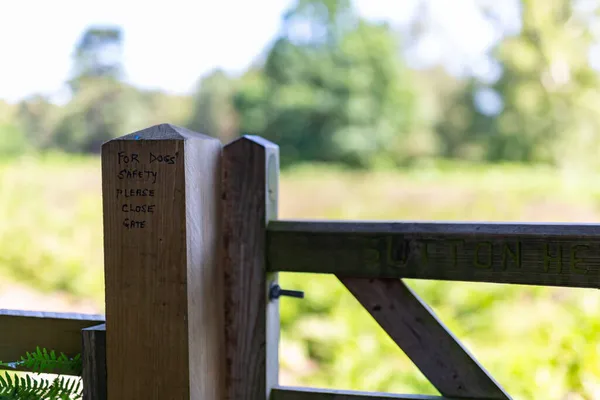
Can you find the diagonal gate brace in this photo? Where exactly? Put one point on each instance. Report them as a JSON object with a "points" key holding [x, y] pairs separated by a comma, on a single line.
{"points": [[422, 336]]}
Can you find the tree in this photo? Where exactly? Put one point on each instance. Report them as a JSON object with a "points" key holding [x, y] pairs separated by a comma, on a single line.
{"points": [[547, 93], [352, 102], [99, 107], [549, 89], [37, 117], [98, 55], [14, 140], [96, 114], [318, 21], [102, 111], [213, 111]]}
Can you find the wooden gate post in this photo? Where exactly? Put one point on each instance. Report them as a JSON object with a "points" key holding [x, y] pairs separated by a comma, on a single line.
{"points": [[161, 189], [250, 182], [93, 362]]}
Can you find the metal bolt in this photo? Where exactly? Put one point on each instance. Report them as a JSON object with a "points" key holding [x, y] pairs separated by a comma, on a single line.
{"points": [[276, 291]]}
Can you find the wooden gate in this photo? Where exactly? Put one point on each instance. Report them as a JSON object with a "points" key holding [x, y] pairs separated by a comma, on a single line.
{"points": [[193, 247]]}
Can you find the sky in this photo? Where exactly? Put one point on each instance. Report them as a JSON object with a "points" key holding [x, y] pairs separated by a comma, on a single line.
{"points": [[169, 45]]}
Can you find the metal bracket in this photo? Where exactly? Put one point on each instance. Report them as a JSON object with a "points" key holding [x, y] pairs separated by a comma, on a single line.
{"points": [[275, 291]]}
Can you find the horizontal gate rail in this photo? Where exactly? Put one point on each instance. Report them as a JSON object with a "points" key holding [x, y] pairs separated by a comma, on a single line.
{"points": [[297, 393], [529, 254], [24, 331]]}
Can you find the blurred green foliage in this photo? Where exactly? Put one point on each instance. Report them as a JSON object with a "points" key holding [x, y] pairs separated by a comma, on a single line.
{"points": [[335, 87], [44, 225], [342, 96], [548, 89]]}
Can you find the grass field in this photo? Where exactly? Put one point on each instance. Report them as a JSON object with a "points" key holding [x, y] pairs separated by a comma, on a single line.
{"points": [[539, 343]]}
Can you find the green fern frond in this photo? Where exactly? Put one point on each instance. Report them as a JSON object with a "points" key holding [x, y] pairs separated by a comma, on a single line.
{"points": [[42, 361], [24, 388]]}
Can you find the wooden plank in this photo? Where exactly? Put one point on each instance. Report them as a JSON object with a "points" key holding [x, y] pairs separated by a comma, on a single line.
{"points": [[297, 393], [530, 254], [93, 361], [161, 194], [423, 337], [250, 190], [24, 331]]}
